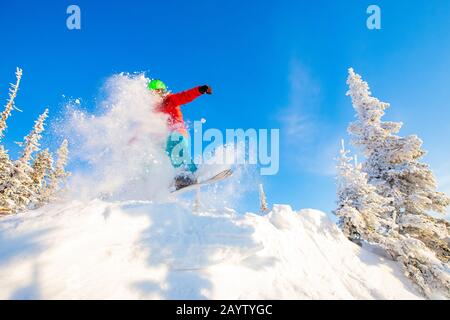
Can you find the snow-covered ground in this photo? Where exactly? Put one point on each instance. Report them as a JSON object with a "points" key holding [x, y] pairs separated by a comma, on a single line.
{"points": [[144, 250]]}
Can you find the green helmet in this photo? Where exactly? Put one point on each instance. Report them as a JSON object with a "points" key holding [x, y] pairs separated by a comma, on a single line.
{"points": [[157, 84]]}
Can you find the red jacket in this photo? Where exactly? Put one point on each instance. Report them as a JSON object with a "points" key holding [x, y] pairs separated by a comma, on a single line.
{"points": [[171, 106]]}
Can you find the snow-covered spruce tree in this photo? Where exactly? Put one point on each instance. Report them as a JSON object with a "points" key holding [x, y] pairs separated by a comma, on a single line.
{"points": [[362, 212], [6, 165], [63, 154], [393, 167], [18, 188], [17, 192], [6, 170], [31, 143], [362, 218], [420, 264], [58, 175], [42, 168], [10, 103], [22, 185]]}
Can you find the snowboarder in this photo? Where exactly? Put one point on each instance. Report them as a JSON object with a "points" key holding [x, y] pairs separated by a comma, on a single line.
{"points": [[177, 147]]}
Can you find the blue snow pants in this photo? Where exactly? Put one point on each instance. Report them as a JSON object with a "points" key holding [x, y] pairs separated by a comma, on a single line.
{"points": [[178, 150]]}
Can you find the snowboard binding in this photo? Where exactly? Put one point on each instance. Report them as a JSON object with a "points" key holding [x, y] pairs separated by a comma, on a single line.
{"points": [[184, 180]]}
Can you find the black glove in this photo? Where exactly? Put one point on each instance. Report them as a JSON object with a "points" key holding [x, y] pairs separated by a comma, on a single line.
{"points": [[205, 89]]}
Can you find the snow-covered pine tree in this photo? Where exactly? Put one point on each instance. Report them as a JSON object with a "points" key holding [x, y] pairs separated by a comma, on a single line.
{"points": [[361, 217], [31, 143], [361, 210], [393, 167], [420, 264], [10, 103], [18, 188], [20, 183], [6, 170], [17, 191], [59, 174], [6, 165], [42, 168], [63, 156]]}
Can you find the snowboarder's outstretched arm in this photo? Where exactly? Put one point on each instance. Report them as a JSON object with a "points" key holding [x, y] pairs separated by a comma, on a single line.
{"points": [[187, 96]]}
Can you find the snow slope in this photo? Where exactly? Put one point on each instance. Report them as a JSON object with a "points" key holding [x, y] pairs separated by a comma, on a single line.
{"points": [[144, 250]]}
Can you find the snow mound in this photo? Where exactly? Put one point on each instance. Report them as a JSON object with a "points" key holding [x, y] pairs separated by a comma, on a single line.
{"points": [[144, 250]]}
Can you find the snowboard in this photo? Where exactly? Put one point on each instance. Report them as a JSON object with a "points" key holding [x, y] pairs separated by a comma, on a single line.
{"points": [[218, 177]]}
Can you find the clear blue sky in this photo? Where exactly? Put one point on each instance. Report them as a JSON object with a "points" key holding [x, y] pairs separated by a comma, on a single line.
{"points": [[272, 65]]}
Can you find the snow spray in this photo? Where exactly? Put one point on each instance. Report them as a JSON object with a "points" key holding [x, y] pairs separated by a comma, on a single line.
{"points": [[118, 150]]}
